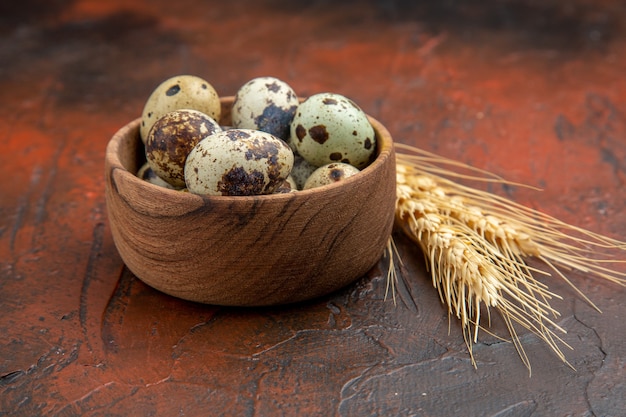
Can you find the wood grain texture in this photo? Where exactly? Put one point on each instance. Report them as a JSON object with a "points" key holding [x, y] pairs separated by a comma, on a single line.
{"points": [[252, 250]]}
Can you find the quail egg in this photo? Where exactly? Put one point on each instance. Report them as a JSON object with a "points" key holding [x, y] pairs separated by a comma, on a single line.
{"points": [[329, 174], [179, 92], [238, 162], [146, 173], [288, 186], [301, 170], [266, 104], [171, 139], [329, 128]]}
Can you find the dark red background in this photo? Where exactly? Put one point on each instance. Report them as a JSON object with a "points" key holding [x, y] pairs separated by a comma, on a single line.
{"points": [[530, 90]]}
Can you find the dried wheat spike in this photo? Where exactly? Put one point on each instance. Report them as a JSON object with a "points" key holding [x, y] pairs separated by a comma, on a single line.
{"points": [[475, 244]]}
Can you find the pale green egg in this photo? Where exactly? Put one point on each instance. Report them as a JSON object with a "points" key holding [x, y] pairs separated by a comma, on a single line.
{"points": [[330, 128]]}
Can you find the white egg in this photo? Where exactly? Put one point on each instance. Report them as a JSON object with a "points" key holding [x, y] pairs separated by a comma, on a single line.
{"points": [[171, 139], [266, 104], [179, 92], [330, 174], [329, 128], [238, 162]]}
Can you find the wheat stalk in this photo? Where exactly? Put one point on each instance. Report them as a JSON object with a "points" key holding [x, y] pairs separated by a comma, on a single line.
{"points": [[476, 243]]}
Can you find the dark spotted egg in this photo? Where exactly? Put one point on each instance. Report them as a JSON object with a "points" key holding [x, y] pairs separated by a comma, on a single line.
{"points": [[171, 139], [266, 104], [238, 162], [146, 173], [330, 174], [330, 128], [179, 92], [288, 186], [301, 170]]}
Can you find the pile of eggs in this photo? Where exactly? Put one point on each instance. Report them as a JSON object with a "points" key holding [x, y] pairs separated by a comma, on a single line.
{"points": [[276, 143]]}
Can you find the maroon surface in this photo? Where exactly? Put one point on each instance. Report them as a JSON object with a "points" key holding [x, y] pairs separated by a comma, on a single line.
{"points": [[533, 91]]}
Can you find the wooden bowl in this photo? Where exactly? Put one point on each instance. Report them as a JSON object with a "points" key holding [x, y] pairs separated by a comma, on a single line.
{"points": [[253, 250]]}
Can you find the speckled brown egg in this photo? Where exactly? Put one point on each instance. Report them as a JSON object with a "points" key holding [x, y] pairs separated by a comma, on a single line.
{"points": [[238, 162], [146, 173], [266, 104], [329, 128], [288, 186], [179, 92], [301, 170], [330, 174], [171, 139]]}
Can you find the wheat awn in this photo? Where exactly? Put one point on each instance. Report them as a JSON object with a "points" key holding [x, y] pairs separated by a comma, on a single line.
{"points": [[476, 243]]}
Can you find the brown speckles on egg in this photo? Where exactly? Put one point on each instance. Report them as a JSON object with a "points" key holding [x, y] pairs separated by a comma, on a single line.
{"points": [[335, 156], [259, 148], [288, 186], [237, 134], [300, 132], [266, 104], [171, 139], [237, 181], [329, 101], [319, 133], [254, 163], [367, 144]]}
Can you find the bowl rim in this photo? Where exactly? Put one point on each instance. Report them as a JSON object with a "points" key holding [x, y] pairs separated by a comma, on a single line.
{"points": [[384, 150]]}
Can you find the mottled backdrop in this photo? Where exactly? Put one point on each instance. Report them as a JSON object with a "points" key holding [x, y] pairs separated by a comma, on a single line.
{"points": [[531, 90]]}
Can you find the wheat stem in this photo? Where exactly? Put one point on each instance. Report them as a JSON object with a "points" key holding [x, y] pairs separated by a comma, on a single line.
{"points": [[476, 243]]}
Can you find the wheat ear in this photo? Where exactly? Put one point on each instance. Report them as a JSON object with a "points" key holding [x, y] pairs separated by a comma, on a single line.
{"points": [[475, 244]]}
